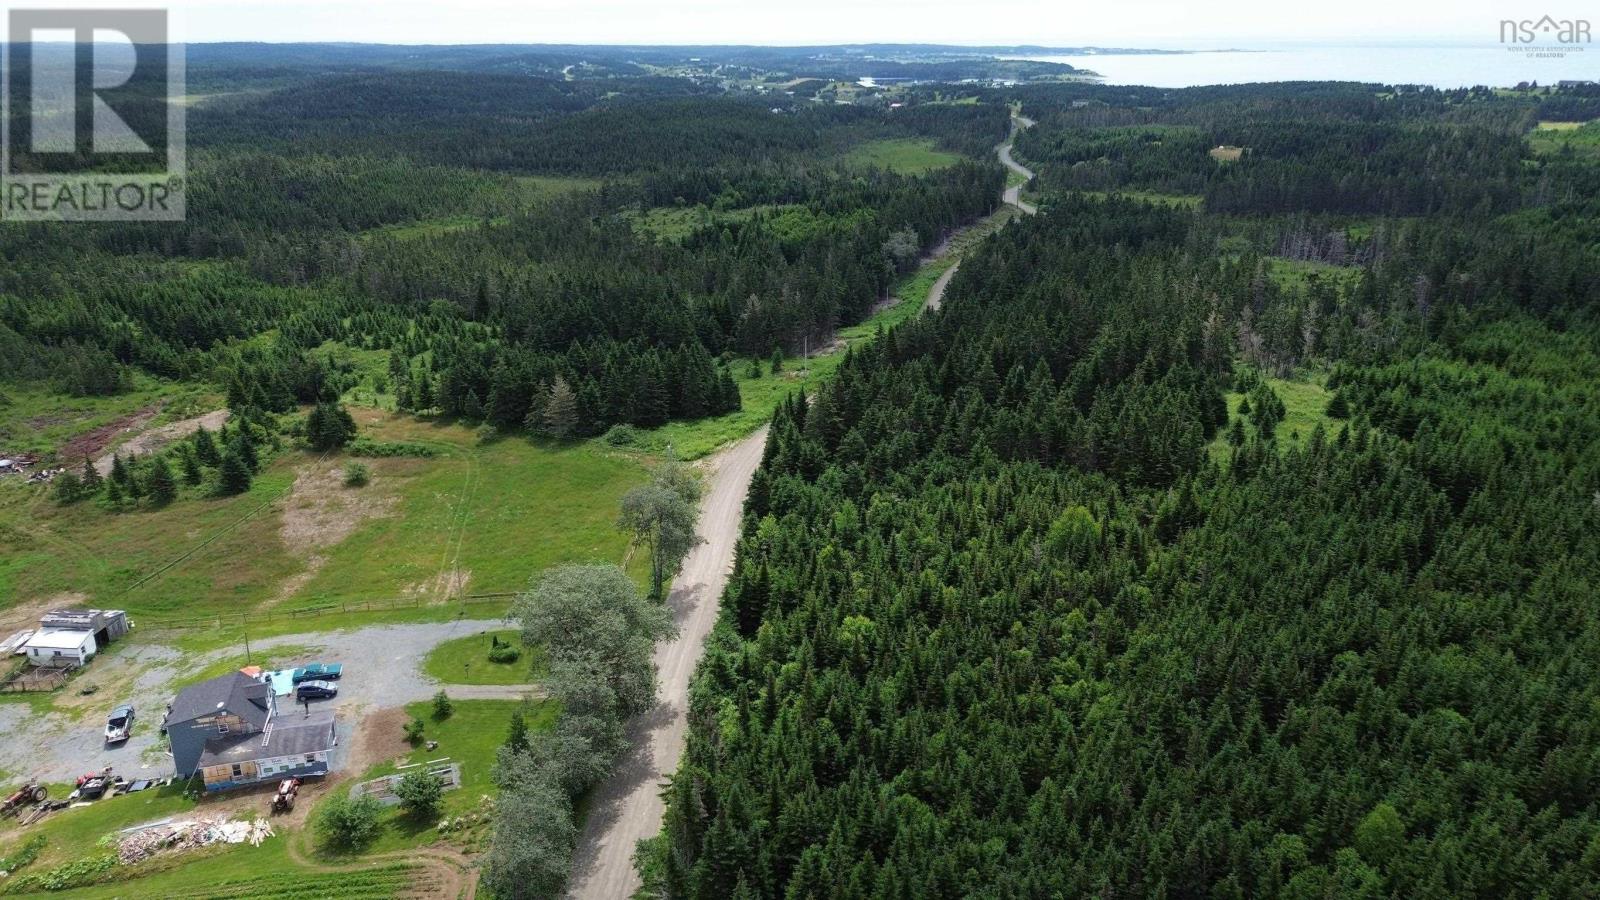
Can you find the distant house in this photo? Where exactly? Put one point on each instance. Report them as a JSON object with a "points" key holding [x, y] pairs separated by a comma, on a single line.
{"points": [[59, 647], [228, 730]]}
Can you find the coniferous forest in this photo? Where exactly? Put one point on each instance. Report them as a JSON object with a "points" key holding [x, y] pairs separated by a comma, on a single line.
{"points": [[1229, 529], [1044, 596]]}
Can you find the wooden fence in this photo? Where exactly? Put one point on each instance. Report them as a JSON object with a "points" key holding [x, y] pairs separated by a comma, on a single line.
{"points": [[29, 679]]}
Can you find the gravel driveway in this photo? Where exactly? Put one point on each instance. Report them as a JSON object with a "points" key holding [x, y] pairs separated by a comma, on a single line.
{"points": [[382, 669]]}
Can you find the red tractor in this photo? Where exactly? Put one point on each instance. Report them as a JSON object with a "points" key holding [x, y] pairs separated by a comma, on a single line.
{"points": [[283, 801], [30, 794]]}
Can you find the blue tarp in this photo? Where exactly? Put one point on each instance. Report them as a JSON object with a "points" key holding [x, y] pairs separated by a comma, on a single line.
{"points": [[282, 682]]}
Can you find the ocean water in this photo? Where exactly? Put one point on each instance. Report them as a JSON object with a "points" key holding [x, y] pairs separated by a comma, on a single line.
{"points": [[1444, 66]]}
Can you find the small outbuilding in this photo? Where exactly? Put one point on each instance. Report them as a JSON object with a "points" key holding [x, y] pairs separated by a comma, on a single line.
{"points": [[105, 624], [56, 647]]}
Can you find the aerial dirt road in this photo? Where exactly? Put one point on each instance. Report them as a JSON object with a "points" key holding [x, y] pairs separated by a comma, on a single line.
{"points": [[1012, 195], [628, 807]]}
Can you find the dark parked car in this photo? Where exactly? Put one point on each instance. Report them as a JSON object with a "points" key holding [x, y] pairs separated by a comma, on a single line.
{"points": [[315, 690]]}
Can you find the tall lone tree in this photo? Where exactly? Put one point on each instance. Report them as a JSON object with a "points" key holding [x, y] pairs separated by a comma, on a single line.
{"points": [[561, 409], [661, 517]]}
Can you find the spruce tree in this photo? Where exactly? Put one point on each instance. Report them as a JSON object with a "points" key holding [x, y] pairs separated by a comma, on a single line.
{"points": [[90, 479], [560, 409], [234, 475], [205, 447], [159, 483]]}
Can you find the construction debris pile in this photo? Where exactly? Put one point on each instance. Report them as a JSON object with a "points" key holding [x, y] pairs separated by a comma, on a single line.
{"points": [[21, 464], [188, 834]]}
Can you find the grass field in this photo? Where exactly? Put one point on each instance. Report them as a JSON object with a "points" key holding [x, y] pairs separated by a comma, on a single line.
{"points": [[908, 156], [36, 420], [465, 660], [1305, 403], [481, 517], [1291, 273], [1553, 137], [471, 736], [1182, 201]]}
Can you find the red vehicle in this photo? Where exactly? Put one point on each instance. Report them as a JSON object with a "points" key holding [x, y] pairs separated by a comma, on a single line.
{"points": [[30, 794], [288, 789]]}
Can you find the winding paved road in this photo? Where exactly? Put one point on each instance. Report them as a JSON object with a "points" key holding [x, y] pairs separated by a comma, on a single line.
{"points": [[628, 806]]}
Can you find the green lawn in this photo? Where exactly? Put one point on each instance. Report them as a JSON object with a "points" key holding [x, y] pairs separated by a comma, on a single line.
{"points": [[73, 833], [465, 660], [242, 871], [471, 736], [908, 156]]}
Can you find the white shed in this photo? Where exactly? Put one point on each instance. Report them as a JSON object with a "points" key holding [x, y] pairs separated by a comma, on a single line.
{"points": [[55, 647]]}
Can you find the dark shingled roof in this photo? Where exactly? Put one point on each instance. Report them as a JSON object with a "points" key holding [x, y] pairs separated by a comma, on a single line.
{"points": [[290, 735], [235, 692]]}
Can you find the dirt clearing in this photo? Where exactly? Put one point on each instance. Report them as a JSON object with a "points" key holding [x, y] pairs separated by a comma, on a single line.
{"points": [[154, 439], [319, 513]]}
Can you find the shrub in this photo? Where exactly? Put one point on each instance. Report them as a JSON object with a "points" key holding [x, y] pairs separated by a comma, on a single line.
{"points": [[421, 794], [356, 474], [504, 653], [415, 729], [347, 823], [442, 707], [622, 435], [369, 447], [68, 488]]}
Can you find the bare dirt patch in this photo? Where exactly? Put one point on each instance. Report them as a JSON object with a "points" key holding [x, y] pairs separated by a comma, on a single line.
{"points": [[27, 615], [380, 738], [319, 513], [1226, 153], [93, 442], [155, 439]]}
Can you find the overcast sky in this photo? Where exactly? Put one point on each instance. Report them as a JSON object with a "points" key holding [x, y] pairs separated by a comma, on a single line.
{"points": [[1127, 23]]}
